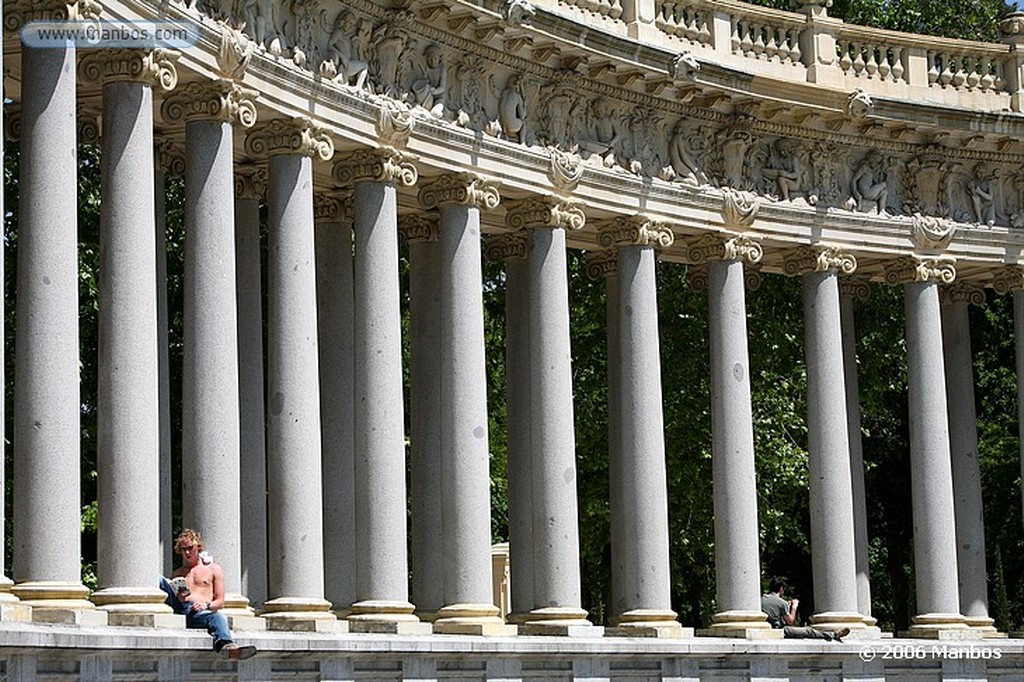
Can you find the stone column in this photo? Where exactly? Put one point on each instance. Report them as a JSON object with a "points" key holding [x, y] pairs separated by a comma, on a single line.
{"points": [[382, 589], [605, 264], [963, 447], [334, 322], [930, 471], [1010, 280], [210, 410], [168, 160], [46, 497], [831, 489], [849, 289], [295, 517], [639, 480], [250, 188], [511, 248], [737, 561], [420, 232], [128, 438], [465, 508], [555, 532]]}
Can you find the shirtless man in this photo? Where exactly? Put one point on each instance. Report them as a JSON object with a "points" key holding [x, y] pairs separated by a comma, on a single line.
{"points": [[197, 592]]}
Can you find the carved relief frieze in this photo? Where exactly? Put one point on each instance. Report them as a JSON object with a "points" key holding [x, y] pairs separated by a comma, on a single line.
{"points": [[500, 247], [419, 227], [910, 269], [534, 212], [464, 189], [375, 165], [634, 231]]}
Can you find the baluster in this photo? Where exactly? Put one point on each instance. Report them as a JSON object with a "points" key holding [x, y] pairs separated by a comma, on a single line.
{"points": [[976, 66], [998, 82], [933, 71], [759, 45], [615, 11], [946, 77], [746, 43], [736, 41], [794, 46], [703, 32], [884, 67], [897, 64], [771, 43], [871, 67], [845, 62], [858, 60]]}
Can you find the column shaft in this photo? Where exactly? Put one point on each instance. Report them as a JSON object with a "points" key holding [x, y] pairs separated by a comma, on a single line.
{"points": [[426, 481], [931, 476], [382, 569], [1018, 335], [252, 433], [210, 410], [737, 562], [334, 320], [619, 533], [295, 518], [831, 496], [163, 373], [128, 440], [860, 514], [46, 499], [556, 563], [963, 445]]}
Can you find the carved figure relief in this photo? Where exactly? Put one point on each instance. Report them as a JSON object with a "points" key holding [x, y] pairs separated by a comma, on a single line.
{"points": [[684, 148], [512, 109], [602, 133], [388, 43], [341, 63], [640, 150], [733, 145], [869, 188], [563, 111], [787, 167], [429, 88], [467, 76], [927, 175]]}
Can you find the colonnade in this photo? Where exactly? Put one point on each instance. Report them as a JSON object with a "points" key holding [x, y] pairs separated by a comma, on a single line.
{"points": [[335, 465]]}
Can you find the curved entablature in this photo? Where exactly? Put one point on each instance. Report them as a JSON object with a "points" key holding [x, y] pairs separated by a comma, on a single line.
{"points": [[830, 134]]}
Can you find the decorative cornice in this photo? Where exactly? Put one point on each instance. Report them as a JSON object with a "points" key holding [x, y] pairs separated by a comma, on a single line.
{"points": [[962, 292], [635, 230], [739, 209], [711, 247], [386, 165], [290, 136], [417, 227], [250, 181], [916, 269], [152, 67], [602, 264], [930, 232], [854, 287], [169, 157], [1010, 278], [220, 100], [500, 247], [539, 213], [17, 13], [808, 259], [464, 189]]}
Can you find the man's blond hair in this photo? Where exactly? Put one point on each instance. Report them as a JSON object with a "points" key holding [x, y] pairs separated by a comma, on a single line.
{"points": [[189, 534]]}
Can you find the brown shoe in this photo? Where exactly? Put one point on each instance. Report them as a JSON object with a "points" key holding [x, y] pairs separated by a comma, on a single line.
{"points": [[233, 652], [838, 635]]}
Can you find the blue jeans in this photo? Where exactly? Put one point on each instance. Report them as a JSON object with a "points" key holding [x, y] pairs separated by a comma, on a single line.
{"points": [[216, 623]]}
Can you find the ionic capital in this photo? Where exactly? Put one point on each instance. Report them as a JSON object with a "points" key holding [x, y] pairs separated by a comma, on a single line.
{"points": [[332, 207], [19, 12], [297, 136], [634, 231], [151, 67], [962, 292], [385, 165], [854, 287], [463, 189], [220, 100], [808, 259], [540, 213], [1010, 278], [168, 156], [709, 248], [12, 122], [500, 247], [915, 269], [250, 181], [698, 276], [88, 122], [602, 264], [414, 228]]}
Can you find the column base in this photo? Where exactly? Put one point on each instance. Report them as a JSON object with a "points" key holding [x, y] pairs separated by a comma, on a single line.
{"points": [[472, 619], [57, 602], [380, 616], [11, 608], [946, 626], [245, 622], [984, 625], [740, 625], [517, 618], [299, 614], [137, 607], [648, 623], [831, 621]]}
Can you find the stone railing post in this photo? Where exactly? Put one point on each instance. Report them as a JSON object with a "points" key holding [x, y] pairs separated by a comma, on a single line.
{"points": [[818, 43], [1012, 28]]}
